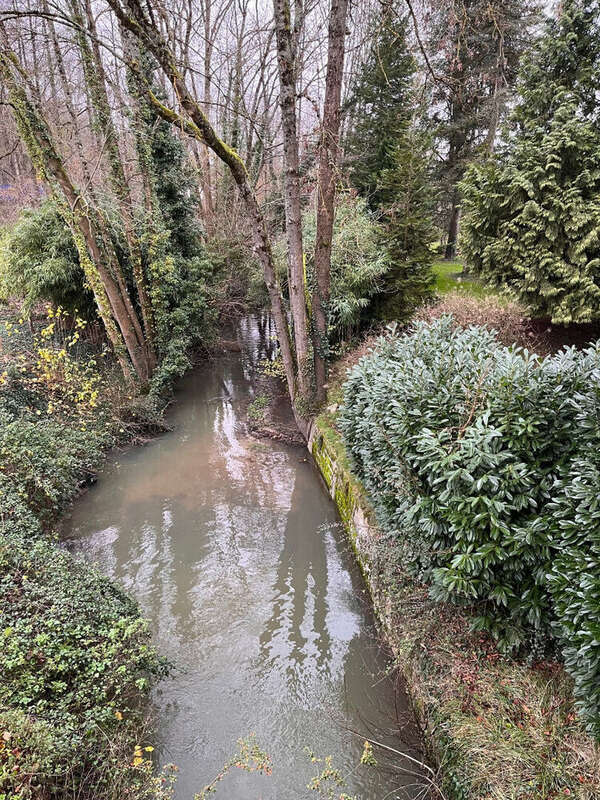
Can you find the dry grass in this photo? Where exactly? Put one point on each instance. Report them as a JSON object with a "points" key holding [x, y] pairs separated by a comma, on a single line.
{"points": [[508, 319], [502, 730]]}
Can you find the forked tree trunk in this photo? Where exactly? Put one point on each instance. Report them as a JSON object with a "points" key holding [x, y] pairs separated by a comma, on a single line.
{"points": [[328, 153], [286, 60]]}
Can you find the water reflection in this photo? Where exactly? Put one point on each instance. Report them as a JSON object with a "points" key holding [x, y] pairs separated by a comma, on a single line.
{"points": [[297, 629], [234, 551]]}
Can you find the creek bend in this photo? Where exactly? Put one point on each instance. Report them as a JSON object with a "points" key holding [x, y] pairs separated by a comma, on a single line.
{"points": [[235, 552]]}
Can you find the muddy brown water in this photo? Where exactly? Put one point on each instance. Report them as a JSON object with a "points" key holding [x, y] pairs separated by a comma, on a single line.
{"points": [[236, 554]]}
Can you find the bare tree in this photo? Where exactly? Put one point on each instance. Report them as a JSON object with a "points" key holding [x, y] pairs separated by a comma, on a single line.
{"points": [[287, 40], [328, 156]]}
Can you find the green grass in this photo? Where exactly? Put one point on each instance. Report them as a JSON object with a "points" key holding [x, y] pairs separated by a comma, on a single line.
{"points": [[449, 278]]}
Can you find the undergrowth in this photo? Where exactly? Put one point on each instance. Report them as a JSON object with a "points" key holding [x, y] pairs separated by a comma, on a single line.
{"points": [[77, 661]]}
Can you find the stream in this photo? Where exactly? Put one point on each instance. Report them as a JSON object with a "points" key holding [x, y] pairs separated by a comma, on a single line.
{"points": [[236, 554]]}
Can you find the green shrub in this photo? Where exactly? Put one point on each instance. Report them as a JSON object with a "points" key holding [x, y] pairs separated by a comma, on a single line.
{"points": [[75, 656], [42, 462], [574, 577], [76, 659], [359, 264], [39, 262], [258, 408], [477, 457], [30, 756]]}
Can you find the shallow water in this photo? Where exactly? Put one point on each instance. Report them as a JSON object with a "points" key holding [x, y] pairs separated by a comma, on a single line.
{"points": [[235, 552]]}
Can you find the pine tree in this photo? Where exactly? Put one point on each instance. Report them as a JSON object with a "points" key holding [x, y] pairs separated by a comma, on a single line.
{"points": [[382, 105], [532, 221], [406, 197], [389, 165]]}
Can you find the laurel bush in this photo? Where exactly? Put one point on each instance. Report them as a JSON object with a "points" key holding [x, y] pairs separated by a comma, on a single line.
{"points": [[483, 460]]}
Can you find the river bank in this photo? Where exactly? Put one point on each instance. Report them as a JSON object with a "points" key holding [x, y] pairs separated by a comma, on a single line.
{"points": [[496, 728], [237, 557], [77, 659]]}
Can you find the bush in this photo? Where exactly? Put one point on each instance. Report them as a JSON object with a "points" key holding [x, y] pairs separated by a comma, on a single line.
{"points": [[43, 462], [477, 456], [574, 578], [358, 263], [75, 656], [39, 262]]}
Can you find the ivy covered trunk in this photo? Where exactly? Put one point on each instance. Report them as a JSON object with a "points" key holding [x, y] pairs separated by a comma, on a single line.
{"points": [[96, 80], [114, 304]]}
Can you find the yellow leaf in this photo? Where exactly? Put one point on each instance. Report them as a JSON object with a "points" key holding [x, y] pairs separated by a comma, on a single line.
{"points": [[118, 715], [148, 749]]}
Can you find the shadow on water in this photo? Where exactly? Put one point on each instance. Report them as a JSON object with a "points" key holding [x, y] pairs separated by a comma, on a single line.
{"points": [[236, 554]]}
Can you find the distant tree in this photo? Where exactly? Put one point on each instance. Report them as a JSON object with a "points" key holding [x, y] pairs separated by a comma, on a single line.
{"points": [[475, 48], [407, 199], [532, 221], [382, 105], [389, 164]]}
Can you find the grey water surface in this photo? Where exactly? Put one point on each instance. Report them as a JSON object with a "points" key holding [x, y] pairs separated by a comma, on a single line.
{"points": [[236, 554]]}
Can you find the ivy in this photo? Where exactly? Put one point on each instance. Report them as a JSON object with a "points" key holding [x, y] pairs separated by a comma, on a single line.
{"points": [[76, 653]]}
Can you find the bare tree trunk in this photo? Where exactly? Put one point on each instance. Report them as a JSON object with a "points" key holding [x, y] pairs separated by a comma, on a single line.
{"points": [[453, 227], [328, 153], [196, 124], [207, 182], [286, 59], [68, 98], [494, 117]]}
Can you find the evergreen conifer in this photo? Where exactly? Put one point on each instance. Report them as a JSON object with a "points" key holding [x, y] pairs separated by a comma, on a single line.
{"points": [[532, 221]]}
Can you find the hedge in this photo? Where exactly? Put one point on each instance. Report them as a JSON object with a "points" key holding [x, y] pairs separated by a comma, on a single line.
{"points": [[483, 460]]}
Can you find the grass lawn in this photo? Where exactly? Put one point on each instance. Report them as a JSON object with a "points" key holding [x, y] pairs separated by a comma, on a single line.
{"points": [[448, 278]]}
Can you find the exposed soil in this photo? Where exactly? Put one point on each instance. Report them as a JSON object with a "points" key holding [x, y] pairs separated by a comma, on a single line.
{"points": [[552, 337]]}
